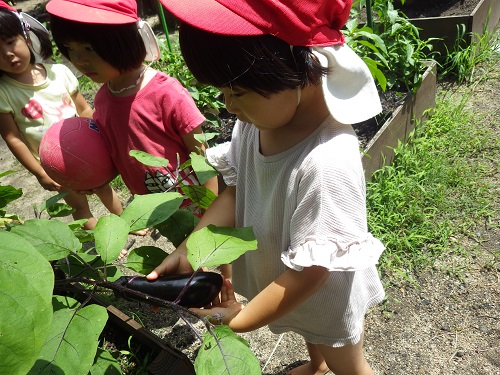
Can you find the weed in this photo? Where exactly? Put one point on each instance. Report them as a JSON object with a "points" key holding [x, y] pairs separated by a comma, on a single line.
{"points": [[460, 62], [432, 191]]}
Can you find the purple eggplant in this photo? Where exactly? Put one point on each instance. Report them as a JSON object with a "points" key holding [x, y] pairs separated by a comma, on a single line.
{"points": [[202, 289]]}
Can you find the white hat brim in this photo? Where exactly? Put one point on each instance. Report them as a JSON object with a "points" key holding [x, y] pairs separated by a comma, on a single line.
{"points": [[150, 42], [349, 89], [35, 42]]}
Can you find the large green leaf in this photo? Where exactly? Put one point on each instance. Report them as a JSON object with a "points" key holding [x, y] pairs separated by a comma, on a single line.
{"points": [[200, 195], [110, 235], [71, 345], [9, 194], [74, 267], [148, 159], [105, 364], [26, 284], [53, 200], [144, 259], [213, 246], [148, 210], [60, 210], [205, 137], [178, 226], [52, 238], [226, 353], [64, 302], [203, 170]]}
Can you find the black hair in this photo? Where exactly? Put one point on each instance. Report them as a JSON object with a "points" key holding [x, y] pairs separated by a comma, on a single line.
{"points": [[119, 45], [10, 26], [264, 64]]}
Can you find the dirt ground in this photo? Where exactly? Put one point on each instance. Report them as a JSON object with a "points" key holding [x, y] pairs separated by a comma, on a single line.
{"points": [[442, 324]]}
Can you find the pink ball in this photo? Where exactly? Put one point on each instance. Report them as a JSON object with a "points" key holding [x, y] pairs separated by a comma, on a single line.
{"points": [[73, 154]]}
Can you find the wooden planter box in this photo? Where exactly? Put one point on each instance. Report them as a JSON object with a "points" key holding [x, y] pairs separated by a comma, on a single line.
{"points": [[485, 15], [167, 360], [379, 151]]}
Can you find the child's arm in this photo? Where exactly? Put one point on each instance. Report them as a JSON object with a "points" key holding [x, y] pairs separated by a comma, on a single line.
{"points": [[83, 108], [12, 137], [287, 292], [192, 145]]}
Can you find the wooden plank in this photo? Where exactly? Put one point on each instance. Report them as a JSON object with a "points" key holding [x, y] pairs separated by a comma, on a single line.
{"points": [[379, 151], [485, 16], [168, 360], [444, 28]]}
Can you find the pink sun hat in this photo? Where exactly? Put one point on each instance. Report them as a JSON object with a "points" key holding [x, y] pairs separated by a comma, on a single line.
{"points": [[349, 89], [299, 22], [95, 11], [7, 6], [107, 12]]}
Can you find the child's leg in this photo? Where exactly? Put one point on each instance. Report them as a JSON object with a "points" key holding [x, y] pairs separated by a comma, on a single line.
{"points": [[348, 359], [110, 199], [345, 360], [82, 210], [316, 366]]}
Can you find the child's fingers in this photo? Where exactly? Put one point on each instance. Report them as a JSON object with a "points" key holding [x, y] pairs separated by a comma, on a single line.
{"points": [[227, 292]]}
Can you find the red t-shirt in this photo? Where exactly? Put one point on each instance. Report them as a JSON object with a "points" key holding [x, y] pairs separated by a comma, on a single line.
{"points": [[152, 120]]}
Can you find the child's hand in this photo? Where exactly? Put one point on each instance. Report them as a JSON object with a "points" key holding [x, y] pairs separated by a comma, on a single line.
{"points": [[176, 262], [48, 184], [224, 308]]}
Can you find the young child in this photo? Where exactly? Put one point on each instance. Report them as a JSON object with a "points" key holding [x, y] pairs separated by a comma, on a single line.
{"points": [[293, 170], [34, 96], [137, 108]]}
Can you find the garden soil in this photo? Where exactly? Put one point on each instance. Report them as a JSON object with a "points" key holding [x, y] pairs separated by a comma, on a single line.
{"points": [[445, 322]]}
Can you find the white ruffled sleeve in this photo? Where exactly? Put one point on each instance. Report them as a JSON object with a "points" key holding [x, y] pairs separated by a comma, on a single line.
{"points": [[334, 255], [219, 157]]}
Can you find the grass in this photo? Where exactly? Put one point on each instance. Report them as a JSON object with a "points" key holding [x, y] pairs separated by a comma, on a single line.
{"points": [[437, 190]]}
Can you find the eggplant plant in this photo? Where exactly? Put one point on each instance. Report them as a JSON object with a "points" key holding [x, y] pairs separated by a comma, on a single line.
{"points": [[43, 332]]}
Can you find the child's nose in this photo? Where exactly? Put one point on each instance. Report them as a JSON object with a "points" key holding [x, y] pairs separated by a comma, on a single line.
{"points": [[79, 58], [6, 53]]}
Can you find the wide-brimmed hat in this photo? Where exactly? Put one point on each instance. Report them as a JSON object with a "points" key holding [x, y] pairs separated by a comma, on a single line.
{"points": [[298, 22], [95, 11], [349, 89], [29, 23], [107, 12]]}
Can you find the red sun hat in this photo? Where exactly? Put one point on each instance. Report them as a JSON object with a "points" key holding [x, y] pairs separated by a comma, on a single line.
{"points": [[7, 6], [297, 22], [113, 12]]}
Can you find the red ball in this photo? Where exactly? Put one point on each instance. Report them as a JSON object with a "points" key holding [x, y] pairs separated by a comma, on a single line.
{"points": [[74, 154]]}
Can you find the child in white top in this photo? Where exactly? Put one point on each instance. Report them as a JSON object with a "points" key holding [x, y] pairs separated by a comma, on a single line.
{"points": [[34, 96], [293, 170]]}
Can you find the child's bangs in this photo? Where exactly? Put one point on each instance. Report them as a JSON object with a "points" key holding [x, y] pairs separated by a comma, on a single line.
{"points": [[9, 25], [262, 64]]}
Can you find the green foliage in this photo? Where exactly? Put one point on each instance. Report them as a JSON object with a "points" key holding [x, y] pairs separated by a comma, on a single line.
{"points": [[214, 357], [213, 246], [432, 191], [26, 282], [42, 333], [460, 62], [393, 49], [145, 259]]}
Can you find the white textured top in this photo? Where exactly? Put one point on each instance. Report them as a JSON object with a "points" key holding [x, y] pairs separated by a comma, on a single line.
{"points": [[307, 207]]}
